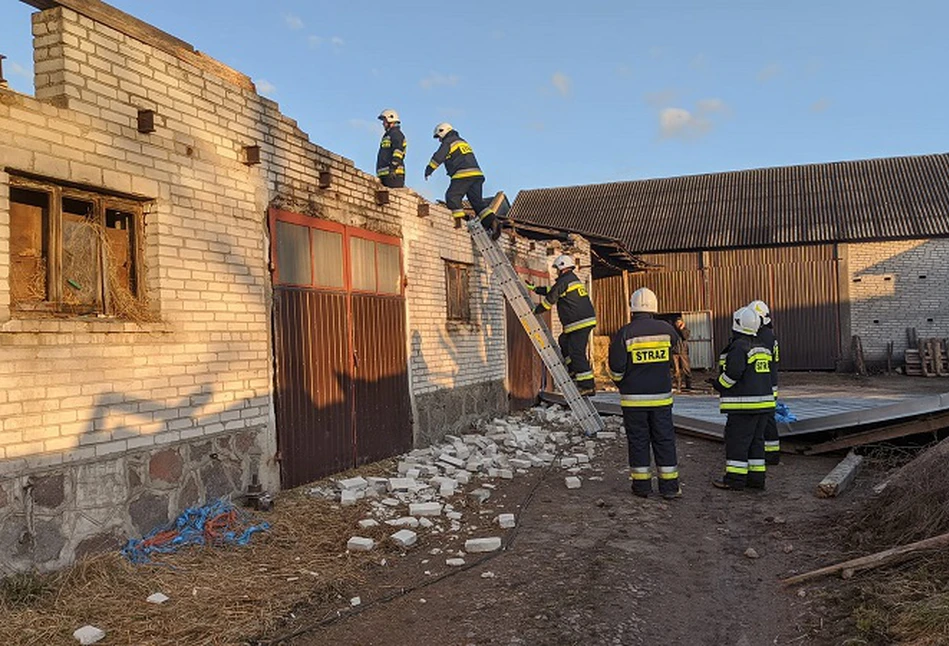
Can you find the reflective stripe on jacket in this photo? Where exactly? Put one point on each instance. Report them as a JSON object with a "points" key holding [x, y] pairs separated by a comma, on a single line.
{"points": [[767, 339], [457, 156], [744, 384], [391, 157], [640, 362]]}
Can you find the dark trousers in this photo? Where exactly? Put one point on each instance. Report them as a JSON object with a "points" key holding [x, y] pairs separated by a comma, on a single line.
{"points": [[772, 443], [651, 428], [683, 370], [470, 187], [573, 346], [393, 181], [744, 449]]}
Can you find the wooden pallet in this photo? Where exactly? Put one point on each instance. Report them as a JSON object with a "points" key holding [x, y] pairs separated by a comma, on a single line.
{"points": [[930, 358]]}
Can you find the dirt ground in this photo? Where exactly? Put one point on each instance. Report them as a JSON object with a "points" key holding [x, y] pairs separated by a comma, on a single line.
{"points": [[598, 566]]}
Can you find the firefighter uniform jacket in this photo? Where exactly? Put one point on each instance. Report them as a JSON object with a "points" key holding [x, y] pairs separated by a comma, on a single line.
{"points": [[391, 157], [457, 156], [744, 385], [767, 339], [641, 360], [574, 306]]}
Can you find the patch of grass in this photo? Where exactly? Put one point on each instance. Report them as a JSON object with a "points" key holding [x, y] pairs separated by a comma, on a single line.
{"points": [[871, 621], [23, 590]]}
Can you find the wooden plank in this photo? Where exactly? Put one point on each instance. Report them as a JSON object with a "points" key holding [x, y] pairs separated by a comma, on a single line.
{"points": [[859, 363], [140, 30], [886, 557], [842, 476], [921, 425]]}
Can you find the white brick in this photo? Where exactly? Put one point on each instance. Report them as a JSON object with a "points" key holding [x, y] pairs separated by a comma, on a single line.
{"points": [[404, 538], [360, 544], [425, 509], [476, 545]]}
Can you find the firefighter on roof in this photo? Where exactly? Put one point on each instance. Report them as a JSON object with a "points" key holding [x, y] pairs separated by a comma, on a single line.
{"points": [[390, 162]]}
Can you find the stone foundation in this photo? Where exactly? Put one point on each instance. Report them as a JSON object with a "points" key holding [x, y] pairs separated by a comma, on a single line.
{"points": [[53, 517], [450, 410]]}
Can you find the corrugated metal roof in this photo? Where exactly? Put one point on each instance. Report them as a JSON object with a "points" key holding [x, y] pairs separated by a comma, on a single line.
{"points": [[899, 197]]}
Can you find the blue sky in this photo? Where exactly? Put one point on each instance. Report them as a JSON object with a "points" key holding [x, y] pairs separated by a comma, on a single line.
{"points": [[590, 92]]}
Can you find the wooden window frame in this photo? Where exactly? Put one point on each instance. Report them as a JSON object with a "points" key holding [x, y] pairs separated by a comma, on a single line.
{"points": [[53, 304], [451, 315]]}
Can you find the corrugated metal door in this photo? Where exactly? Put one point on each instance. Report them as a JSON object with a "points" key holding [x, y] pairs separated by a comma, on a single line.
{"points": [[341, 378], [525, 370], [701, 351]]}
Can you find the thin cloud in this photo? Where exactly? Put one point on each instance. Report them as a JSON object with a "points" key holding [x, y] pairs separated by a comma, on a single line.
{"points": [[498, 34], [314, 41], [264, 86], [624, 71], [336, 41], [656, 52], [371, 127], [18, 70], [436, 79], [768, 72], [292, 21], [679, 123], [699, 62], [661, 99], [821, 105], [708, 106], [562, 83], [537, 126]]}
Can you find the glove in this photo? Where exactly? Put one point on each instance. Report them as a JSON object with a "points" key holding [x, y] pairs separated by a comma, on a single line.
{"points": [[530, 285], [539, 309], [428, 172]]}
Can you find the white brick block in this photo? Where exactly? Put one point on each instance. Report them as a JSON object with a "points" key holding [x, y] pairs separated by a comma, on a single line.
{"points": [[476, 545], [404, 538], [425, 509], [360, 544]]}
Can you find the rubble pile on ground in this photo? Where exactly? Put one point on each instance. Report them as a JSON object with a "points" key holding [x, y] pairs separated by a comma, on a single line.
{"points": [[443, 489]]}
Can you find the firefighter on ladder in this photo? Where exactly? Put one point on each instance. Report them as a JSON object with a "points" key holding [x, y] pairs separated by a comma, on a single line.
{"points": [[746, 397], [390, 162], [640, 362], [772, 443], [577, 316], [467, 180]]}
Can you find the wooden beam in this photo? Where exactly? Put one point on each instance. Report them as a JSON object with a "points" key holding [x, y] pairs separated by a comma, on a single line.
{"points": [[921, 425], [838, 480], [140, 30], [886, 557]]}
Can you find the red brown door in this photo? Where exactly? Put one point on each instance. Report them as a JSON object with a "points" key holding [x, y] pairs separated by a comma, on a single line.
{"points": [[339, 334], [525, 370]]}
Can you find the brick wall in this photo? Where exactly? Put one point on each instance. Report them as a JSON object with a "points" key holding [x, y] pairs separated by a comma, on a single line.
{"points": [[91, 404], [896, 285]]}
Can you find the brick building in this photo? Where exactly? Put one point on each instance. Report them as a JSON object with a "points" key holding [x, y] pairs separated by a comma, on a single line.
{"points": [[192, 293], [837, 250]]}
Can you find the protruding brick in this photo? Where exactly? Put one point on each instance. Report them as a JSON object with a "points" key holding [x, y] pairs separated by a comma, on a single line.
{"points": [[572, 482], [475, 545]]}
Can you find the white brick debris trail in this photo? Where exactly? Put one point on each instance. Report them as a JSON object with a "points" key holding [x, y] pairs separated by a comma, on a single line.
{"points": [[419, 495]]}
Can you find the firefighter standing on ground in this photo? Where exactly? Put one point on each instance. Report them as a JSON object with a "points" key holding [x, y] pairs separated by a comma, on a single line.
{"points": [[772, 443], [640, 361], [577, 317], [744, 388], [467, 180], [390, 162], [683, 367]]}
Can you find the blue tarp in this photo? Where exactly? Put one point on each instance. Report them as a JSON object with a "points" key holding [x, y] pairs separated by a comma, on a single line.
{"points": [[218, 522], [783, 414]]}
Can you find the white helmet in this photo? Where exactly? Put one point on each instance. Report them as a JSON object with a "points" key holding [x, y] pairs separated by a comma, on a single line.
{"points": [[746, 321], [644, 300], [442, 129], [761, 309], [389, 116], [564, 262]]}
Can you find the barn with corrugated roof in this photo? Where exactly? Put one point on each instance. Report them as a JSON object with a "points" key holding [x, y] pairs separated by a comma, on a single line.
{"points": [[842, 249]]}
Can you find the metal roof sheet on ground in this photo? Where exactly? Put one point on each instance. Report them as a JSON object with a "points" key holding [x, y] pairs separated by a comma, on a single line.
{"points": [[899, 197], [815, 414]]}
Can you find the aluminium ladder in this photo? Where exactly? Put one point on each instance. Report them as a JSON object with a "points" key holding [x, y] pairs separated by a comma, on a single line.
{"points": [[517, 295]]}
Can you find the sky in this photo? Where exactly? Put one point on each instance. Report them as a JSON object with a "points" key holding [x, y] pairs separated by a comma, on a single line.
{"points": [[562, 93]]}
